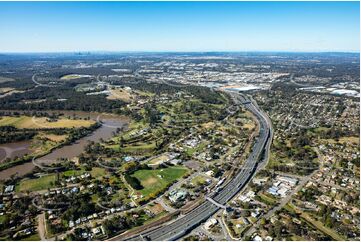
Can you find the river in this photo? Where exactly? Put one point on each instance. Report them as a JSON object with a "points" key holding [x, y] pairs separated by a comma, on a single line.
{"points": [[109, 125]]}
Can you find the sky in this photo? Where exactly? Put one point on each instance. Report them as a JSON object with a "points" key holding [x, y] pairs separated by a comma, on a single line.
{"points": [[179, 26]]}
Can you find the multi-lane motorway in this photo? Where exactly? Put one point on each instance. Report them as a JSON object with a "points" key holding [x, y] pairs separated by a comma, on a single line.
{"points": [[185, 223]]}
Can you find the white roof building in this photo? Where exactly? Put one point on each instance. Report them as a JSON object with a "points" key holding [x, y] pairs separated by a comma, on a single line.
{"points": [[210, 223]]}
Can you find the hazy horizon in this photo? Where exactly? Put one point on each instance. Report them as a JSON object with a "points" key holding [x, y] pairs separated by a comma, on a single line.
{"points": [[170, 51]]}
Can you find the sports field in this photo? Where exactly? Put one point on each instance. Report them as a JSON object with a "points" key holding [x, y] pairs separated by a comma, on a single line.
{"points": [[155, 181]]}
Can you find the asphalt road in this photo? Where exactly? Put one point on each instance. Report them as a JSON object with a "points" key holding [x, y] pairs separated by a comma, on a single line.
{"points": [[184, 224]]}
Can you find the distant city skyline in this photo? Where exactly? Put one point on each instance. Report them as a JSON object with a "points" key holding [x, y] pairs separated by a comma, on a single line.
{"points": [[179, 26]]}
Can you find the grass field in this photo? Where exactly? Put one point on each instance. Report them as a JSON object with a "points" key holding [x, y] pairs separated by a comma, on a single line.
{"points": [[37, 184], [155, 181], [267, 199], [95, 172], [140, 147], [2, 218], [33, 237], [350, 139], [199, 180], [47, 181], [137, 148], [53, 137], [198, 148], [26, 122]]}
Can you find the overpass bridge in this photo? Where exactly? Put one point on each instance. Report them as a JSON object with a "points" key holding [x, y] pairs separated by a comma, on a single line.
{"points": [[216, 203]]}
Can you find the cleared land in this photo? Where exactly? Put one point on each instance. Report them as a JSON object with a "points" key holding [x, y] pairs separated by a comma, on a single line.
{"points": [[6, 89], [53, 137], [155, 181], [26, 122], [350, 139], [6, 79], [73, 76], [120, 94], [158, 160]]}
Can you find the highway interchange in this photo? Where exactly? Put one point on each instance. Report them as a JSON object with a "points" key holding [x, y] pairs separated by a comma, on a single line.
{"points": [[185, 223]]}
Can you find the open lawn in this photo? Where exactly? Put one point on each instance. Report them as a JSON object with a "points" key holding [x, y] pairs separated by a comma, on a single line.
{"points": [[157, 180], [26, 122], [37, 184], [70, 173], [199, 180], [95, 172], [198, 148], [47, 181]]}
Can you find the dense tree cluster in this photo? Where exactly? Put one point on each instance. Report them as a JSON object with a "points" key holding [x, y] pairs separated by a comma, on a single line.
{"points": [[11, 134], [59, 98], [204, 93]]}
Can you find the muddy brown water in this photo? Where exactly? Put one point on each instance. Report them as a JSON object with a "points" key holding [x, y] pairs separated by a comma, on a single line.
{"points": [[11, 150], [109, 125]]}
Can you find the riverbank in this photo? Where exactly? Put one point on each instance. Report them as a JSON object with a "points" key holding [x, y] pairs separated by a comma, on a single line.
{"points": [[109, 124]]}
